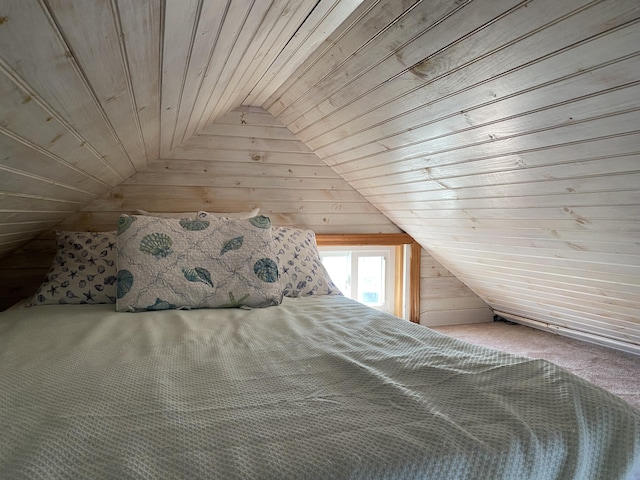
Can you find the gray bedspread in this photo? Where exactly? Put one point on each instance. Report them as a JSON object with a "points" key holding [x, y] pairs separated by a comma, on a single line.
{"points": [[315, 388]]}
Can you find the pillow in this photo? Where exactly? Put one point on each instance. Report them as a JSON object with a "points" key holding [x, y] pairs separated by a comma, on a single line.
{"points": [[170, 263], [224, 216], [167, 215], [301, 270], [231, 215], [83, 270]]}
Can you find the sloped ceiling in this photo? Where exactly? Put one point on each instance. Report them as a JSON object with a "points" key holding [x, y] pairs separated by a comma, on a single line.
{"points": [[503, 135]]}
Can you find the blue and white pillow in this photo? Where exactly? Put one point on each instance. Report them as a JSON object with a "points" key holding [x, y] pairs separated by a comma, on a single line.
{"points": [[83, 270], [195, 263], [218, 215], [301, 270], [230, 215]]}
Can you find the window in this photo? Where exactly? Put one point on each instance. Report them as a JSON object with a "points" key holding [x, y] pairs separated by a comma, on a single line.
{"points": [[379, 270], [366, 274]]}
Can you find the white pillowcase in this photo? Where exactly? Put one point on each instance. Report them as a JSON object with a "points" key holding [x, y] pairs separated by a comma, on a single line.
{"points": [[219, 215], [206, 262], [83, 270], [167, 214], [301, 270], [230, 215]]}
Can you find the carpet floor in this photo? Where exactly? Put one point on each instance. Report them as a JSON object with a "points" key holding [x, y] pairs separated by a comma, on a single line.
{"points": [[614, 370]]}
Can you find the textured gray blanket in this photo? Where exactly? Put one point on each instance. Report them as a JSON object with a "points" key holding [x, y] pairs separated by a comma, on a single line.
{"points": [[315, 388]]}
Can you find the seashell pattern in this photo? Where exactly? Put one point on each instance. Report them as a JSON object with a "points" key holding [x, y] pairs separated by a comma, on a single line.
{"points": [[233, 244], [124, 222], [266, 270], [194, 225], [198, 274], [196, 263], [260, 221], [301, 270], [124, 283], [84, 262], [156, 244], [161, 305]]}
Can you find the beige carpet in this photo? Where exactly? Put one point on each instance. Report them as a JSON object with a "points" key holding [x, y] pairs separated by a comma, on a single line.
{"points": [[613, 370]]}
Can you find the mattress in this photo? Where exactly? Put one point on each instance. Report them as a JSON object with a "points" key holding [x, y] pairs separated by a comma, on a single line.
{"points": [[318, 387]]}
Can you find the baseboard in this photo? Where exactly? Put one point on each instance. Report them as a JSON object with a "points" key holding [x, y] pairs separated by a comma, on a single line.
{"points": [[569, 332]]}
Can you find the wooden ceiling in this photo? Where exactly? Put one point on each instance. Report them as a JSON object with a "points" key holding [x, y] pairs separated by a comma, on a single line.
{"points": [[503, 135], [92, 91]]}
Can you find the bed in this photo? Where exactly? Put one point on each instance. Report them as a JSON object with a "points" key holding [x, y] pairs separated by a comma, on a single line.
{"points": [[315, 386]]}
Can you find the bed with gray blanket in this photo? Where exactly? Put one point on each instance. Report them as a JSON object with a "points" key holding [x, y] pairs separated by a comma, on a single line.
{"points": [[317, 387]]}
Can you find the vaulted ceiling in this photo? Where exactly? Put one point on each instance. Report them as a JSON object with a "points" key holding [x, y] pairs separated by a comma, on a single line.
{"points": [[503, 135]]}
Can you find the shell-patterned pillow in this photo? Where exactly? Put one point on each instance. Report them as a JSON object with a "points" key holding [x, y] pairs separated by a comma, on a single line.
{"points": [[83, 270], [203, 263], [301, 270]]}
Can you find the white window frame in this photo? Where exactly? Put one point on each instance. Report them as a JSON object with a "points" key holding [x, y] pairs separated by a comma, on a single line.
{"points": [[408, 256], [354, 253]]}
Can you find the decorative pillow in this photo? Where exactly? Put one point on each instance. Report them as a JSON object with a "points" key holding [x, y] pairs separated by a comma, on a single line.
{"points": [[170, 263], [167, 214], [301, 270], [83, 270], [230, 215], [220, 215]]}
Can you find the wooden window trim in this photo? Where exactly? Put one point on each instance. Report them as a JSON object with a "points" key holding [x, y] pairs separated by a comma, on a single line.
{"points": [[398, 281], [392, 239]]}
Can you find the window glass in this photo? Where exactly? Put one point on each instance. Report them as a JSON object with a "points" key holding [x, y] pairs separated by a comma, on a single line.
{"points": [[371, 279], [338, 264], [365, 274]]}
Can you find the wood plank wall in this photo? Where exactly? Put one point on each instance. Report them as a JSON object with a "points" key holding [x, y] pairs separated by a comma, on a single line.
{"points": [[245, 160], [73, 123], [503, 135], [445, 300]]}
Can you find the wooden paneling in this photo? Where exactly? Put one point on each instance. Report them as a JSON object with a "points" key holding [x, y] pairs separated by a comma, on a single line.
{"points": [[326, 17], [369, 20], [504, 137], [79, 113], [37, 57], [528, 46], [218, 54], [300, 191], [445, 300], [94, 28], [143, 61]]}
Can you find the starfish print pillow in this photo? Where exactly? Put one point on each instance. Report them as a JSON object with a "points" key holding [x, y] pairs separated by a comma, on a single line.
{"points": [[83, 270]]}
